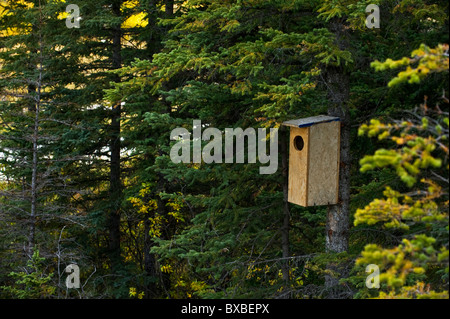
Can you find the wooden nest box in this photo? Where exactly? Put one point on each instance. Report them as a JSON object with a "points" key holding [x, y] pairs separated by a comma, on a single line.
{"points": [[314, 146]]}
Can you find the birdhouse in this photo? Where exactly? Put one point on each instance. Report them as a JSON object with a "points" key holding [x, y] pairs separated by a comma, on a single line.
{"points": [[314, 160]]}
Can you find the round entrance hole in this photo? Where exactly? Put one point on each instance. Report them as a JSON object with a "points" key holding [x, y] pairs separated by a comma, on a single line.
{"points": [[299, 143]]}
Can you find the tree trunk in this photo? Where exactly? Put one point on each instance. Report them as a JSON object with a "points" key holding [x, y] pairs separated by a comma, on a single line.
{"points": [[169, 8], [149, 261], [154, 290], [286, 212], [115, 148], [337, 225], [338, 215], [35, 141], [34, 172]]}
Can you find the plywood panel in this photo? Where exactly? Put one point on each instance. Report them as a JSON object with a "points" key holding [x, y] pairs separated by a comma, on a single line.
{"points": [[298, 164], [323, 172]]}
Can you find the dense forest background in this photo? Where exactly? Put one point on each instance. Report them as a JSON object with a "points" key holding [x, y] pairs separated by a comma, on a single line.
{"points": [[86, 177]]}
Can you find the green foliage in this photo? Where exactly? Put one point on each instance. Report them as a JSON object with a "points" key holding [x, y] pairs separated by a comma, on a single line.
{"points": [[428, 60], [259, 74], [416, 150], [422, 150], [396, 210], [215, 231], [33, 283]]}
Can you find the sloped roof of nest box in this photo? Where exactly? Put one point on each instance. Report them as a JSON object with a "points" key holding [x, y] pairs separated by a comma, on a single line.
{"points": [[309, 121]]}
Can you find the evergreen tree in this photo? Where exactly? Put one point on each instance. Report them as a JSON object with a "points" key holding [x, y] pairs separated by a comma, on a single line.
{"points": [[87, 116], [36, 196], [240, 58], [418, 266]]}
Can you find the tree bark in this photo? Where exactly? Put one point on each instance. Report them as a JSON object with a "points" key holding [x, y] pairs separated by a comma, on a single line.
{"points": [[150, 261], [115, 148], [337, 224], [338, 215], [35, 141], [286, 212], [169, 8]]}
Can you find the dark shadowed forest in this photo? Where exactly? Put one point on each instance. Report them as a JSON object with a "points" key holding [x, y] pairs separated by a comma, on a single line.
{"points": [[118, 176]]}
